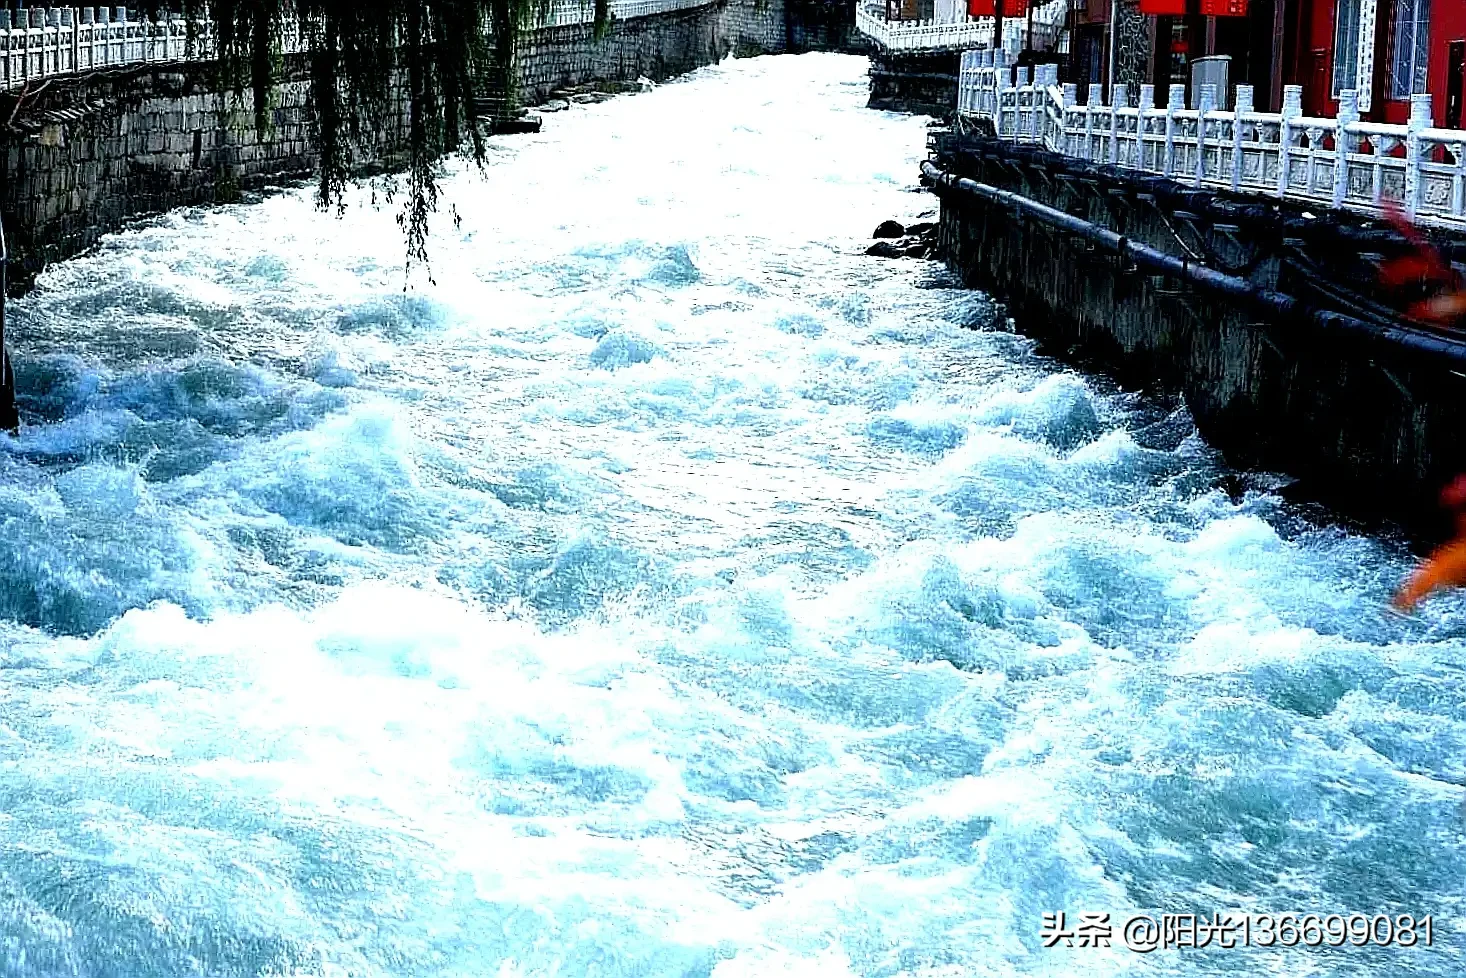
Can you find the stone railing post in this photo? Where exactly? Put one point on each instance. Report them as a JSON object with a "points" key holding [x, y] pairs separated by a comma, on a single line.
{"points": [[1120, 99], [1344, 143], [968, 76], [1051, 75], [104, 21], [1207, 102], [1415, 151], [979, 81], [1021, 118], [1458, 180], [88, 18], [119, 17], [1002, 92], [989, 78], [1068, 98], [1095, 101], [1003, 81], [1292, 109], [1142, 126], [989, 103], [1034, 107], [50, 40], [1240, 111], [964, 82], [9, 58], [19, 59], [987, 81], [1176, 102], [1038, 106], [72, 42], [35, 43]]}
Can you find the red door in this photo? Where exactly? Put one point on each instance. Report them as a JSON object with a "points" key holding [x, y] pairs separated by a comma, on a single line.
{"points": [[1455, 82], [1320, 85]]}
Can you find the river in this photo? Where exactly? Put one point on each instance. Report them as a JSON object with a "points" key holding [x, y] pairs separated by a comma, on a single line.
{"points": [[668, 590]]}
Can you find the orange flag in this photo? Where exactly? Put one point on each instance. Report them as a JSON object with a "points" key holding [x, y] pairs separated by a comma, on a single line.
{"points": [[1447, 566]]}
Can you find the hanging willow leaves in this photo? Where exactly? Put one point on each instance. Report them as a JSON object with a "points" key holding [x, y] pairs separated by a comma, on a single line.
{"points": [[436, 62]]}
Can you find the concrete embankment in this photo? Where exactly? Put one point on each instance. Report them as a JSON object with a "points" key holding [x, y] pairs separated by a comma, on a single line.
{"points": [[1264, 317]]}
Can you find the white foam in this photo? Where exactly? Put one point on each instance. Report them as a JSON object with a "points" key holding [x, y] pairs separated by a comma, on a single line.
{"points": [[801, 630]]}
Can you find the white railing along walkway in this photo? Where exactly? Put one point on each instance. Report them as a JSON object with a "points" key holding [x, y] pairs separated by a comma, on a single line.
{"points": [[971, 32], [923, 35], [1341, 162], [42, 42], [45, 42]]}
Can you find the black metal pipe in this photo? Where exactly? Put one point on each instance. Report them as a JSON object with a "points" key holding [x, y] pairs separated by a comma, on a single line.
{"points": [[1273, 306], [1333, 230]]}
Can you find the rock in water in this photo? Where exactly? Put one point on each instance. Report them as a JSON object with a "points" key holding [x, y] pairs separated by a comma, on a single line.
{"points": [[921, 228], [907, 247], [889, 229]]}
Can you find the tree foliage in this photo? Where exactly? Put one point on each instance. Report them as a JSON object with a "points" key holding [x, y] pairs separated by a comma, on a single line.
{"points": [[367, 60]]}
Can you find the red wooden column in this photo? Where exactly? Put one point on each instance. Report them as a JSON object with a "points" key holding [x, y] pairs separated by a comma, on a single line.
{"points": [[1280, 40]]}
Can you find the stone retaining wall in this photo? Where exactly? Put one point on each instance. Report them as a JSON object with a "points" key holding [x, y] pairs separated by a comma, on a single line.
{"points": [[1368, 420], [657, 46], [104, 148]]}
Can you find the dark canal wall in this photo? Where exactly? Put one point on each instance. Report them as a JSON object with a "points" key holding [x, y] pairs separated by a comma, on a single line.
{"points": [[823, 25], [1266, 318], [921, 82], [85, 154]]}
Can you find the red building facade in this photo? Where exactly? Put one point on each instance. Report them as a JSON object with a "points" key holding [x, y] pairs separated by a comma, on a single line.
{"points": [[1417, 46], [1386, 49]]}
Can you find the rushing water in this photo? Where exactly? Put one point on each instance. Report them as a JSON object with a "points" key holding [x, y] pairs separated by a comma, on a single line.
{"points": [[670, 590]]}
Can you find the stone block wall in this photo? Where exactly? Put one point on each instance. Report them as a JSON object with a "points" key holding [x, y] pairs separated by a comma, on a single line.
{"points": [[756, 26], [91, 152], [657, 46]]}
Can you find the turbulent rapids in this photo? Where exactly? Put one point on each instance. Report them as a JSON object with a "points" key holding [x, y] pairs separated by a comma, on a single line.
{"points": [[669, 590]]}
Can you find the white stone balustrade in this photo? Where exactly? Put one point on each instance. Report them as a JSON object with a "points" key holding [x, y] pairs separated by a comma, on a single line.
{"points": [[923, 35], [970, 32], [43, 42], [1340, 162]]}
